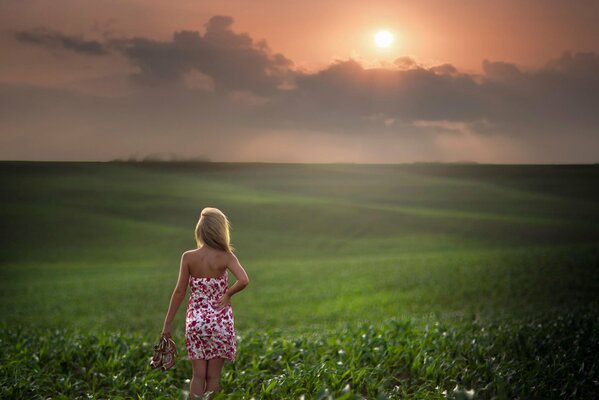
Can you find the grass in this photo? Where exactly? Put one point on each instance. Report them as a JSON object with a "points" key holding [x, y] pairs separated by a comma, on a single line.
{"points": [[481, 276], [393, 359]]}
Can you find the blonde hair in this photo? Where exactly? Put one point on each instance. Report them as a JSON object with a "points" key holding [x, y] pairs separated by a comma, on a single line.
{"points": [[212, 230]]}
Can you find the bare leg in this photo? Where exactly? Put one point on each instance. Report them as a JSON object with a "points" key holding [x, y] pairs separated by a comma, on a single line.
{"points": [[198, 380], [215, 366]]}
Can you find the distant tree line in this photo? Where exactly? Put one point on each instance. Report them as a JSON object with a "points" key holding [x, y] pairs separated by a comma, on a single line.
{"points": [[160, 157]]}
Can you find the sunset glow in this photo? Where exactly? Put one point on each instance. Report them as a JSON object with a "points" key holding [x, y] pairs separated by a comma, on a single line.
{"points": [[385, 81], [383, 39]]}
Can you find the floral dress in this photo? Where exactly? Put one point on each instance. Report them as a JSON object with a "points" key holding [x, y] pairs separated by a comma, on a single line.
{"points": [[209, 332]]}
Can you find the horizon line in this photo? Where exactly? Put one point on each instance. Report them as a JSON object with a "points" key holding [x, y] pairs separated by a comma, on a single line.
{"points": [[117, 161]]}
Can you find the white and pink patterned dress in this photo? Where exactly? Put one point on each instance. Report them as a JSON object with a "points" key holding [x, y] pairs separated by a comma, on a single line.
{"points": [[209, 332]]}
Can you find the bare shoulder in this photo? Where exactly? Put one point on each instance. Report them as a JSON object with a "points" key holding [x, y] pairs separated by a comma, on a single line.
{"points": [[232, 258], [188, 255]]}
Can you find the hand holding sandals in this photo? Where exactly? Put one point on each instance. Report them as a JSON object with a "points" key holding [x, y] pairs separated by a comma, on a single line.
{"points": [[165, 352]]}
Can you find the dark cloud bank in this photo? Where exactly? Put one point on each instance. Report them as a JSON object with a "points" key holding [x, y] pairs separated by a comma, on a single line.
{"points": [[222, 87]]}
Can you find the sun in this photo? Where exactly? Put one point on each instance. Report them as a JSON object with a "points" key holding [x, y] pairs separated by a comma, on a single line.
{"points": [[383, 39]]}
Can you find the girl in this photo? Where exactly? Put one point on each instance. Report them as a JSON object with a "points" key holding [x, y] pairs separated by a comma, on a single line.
{"points": [[209, 328]]}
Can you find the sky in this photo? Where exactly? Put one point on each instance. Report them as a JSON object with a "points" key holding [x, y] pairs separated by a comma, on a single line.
{"points": [[271, 81]]}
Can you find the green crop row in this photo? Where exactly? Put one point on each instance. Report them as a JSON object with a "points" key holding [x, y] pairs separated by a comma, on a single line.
{"points": [[553, 356]]}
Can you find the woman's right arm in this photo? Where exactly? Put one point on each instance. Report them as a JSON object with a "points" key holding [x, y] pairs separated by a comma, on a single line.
{"points": [[240, 274], [242, 281]]}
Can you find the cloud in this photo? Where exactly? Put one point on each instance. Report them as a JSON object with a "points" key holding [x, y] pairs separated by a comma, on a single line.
{"points": [[561, 96], [405, 62], [230, 60], [407, 94], [55, 39], [233, 61], [579, 65], [226, 83], [501, 71]]}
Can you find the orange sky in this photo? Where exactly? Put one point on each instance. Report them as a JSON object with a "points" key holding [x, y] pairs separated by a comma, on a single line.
{"points": [[459, 32], [514, 36]]}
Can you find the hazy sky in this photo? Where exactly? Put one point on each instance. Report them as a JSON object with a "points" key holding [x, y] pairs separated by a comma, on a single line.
{"points": [[490, 81]]}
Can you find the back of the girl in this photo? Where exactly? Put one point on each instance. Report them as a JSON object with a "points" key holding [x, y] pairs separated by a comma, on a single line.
{"points": [[206, 262], [209, 326]]}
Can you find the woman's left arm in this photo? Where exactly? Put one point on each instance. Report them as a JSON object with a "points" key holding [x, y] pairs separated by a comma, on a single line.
{"points": [[178, 296]]}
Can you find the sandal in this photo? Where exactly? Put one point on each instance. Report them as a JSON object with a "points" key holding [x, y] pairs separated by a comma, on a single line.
{"points": [[158, 350], [169, 355]]}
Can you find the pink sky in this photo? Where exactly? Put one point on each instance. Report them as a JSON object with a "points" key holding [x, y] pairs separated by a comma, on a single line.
{"points": [[312, 35]]}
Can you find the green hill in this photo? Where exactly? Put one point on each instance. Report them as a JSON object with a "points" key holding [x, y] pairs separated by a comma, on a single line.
{"points": [[95, 246]]}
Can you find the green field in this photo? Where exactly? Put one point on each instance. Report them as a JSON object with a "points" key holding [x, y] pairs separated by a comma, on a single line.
{"points": [[374, 281]]}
